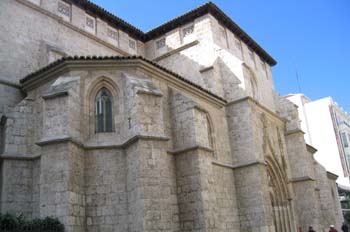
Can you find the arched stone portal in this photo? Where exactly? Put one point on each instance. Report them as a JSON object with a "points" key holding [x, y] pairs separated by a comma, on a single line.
{"points": [[279, 196]]}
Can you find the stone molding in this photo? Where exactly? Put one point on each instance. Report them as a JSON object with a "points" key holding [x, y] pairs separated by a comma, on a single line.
{"points": [[176, 50], [301, 179], [54, 95], [311, 149], [18, 157], [155, 94], [238, 166], [206, 69], [122, 145], [192, 148], [251, 100], [296, 131], [9, 83], [332, 176]]}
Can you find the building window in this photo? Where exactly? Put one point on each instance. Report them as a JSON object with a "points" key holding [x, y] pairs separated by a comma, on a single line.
{"points": [[187, 31], [103, 111], [90, 24], [113, 36], [132, 46], [160, 43], [64, 10], [112, 33], [344, 139], [187, 34]]}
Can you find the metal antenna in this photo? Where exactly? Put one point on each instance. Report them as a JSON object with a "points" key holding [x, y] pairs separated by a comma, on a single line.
{"points": [[297, 76]]}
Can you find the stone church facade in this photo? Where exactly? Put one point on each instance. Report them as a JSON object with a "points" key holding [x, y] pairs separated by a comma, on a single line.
{"points": [[109, 128]]}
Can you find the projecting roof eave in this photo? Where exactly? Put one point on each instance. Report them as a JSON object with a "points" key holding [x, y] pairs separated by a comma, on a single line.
{"points": [[211, 8], [110, 18], [208, 8], [56, 67]]}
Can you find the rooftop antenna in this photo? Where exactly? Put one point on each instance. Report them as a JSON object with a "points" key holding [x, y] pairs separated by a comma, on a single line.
{"points": [[297, 76]]}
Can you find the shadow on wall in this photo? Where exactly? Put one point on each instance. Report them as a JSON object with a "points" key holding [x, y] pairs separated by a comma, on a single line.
{"points": [[215, 76], [2, 133]]}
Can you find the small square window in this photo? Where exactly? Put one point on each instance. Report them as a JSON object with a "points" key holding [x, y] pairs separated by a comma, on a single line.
{"points": [[187, 31], [90, 24], [64, 9], [112, 33], [132, 46], [160, 43]]}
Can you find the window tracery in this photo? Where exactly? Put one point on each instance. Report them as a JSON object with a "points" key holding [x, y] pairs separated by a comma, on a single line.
{"points": [[103, 111]]}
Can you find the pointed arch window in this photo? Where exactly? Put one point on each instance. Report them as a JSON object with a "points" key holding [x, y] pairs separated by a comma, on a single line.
{"points": [[103, 111]]}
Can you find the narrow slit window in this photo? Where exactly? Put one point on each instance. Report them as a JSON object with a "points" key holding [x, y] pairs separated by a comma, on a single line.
{"points": [[103, 111]]}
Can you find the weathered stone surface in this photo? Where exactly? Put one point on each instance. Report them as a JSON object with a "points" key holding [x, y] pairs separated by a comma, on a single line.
{"points": [[176, 157]]}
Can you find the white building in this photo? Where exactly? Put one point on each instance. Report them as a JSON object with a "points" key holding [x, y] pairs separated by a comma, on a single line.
{"points": [[327, 128]]}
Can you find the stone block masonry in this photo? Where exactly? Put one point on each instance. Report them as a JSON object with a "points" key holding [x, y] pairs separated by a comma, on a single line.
{"points": [[198, 141]]}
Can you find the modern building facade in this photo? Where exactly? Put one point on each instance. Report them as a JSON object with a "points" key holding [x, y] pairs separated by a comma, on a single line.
{"points": [[327, 128], [109, 128]]}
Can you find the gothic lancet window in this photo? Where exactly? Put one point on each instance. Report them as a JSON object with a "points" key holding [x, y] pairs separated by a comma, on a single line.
{"points": [[103, 111]]}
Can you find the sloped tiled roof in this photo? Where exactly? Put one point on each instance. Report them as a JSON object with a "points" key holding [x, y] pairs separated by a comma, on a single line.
{"points": [[115, 58], [208, 8]]}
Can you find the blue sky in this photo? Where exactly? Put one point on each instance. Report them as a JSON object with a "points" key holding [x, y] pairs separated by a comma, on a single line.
{"points": [[308, 37]]}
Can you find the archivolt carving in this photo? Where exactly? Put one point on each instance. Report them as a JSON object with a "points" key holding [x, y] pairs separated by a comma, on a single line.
{"points": [[279, 195]]}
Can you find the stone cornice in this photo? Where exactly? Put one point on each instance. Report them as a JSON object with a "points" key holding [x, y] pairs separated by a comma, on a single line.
{"points": [[55, 95], [311, 149], [123, 145], [155, 94], [189, 149], [251, 100], [295, 131], [301, 179], [239, 166], [18, 157], [332, 176], [95, 63], [208, 8]]}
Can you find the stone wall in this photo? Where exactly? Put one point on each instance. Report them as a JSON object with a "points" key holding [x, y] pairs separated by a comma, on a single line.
{"points": [[105, 191], [214, 58], [17, 187], [36, 48], [177, 157], [328, 200]]}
